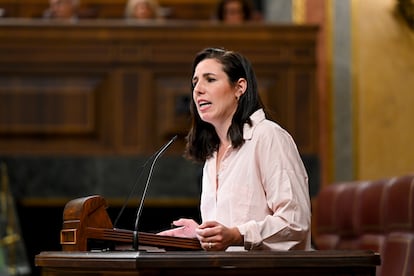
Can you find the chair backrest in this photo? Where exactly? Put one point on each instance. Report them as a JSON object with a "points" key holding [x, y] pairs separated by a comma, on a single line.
{"points": [[399, 204], [369, 212], [326, 235], [398, 256], [398, 253], [345, 218]]}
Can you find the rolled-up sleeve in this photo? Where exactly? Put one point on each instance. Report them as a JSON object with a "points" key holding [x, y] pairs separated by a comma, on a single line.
{"points": [[285, 183]]}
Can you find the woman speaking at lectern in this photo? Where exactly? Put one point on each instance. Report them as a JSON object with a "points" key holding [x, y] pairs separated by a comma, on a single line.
{"points": [[254, 186]]}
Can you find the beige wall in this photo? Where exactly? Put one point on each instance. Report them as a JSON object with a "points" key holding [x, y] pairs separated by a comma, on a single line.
{"points": [[383, 90]]}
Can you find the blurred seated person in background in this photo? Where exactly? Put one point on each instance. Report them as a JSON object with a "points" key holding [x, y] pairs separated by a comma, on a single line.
{"points": [[142, 9], [63, 9], [235, 11]]}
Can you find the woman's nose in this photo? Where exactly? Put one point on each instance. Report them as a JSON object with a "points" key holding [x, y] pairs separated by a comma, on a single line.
{"points": [[198, 89]]}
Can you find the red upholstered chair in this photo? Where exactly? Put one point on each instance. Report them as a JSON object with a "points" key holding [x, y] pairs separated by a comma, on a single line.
{"points": [[345, 219], [369, 212], [398, 257], [370, 208], [375, 215], [399, 200], [326, 233]]}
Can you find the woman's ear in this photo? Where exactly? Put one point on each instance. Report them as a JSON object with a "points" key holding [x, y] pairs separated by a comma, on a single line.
{"points": [[241, 87]]}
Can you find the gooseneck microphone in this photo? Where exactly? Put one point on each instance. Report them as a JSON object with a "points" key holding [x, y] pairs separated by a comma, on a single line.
{"points": [[139, 211], [140, 170]]}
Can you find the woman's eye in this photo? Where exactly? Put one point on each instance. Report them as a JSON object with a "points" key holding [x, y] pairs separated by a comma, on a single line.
{"points": [[211, 79]]}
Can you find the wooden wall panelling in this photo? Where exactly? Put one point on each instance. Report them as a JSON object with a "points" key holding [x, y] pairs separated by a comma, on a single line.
{"points": [[287, 88], [273, 87], [131, 115], [144, 110], [118, 88], [50, 107], [173, 100], [305, 101], [29, 103]]}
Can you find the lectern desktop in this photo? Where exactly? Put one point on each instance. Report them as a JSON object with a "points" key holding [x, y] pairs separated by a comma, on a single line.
{"points": [[208, 263]]}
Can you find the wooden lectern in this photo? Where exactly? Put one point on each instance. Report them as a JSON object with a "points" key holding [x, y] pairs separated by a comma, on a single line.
{"points": [[86, 219], [86, 226]]}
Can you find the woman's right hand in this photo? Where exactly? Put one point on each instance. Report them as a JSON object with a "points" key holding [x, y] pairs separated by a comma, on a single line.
{"points": [[185, 228]]}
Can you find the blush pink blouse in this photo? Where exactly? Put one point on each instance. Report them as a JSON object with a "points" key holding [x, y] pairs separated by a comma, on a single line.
{"points": [[260, 188]]}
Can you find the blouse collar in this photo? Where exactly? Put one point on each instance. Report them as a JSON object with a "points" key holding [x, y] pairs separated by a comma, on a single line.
{"points": [[256, 118]]}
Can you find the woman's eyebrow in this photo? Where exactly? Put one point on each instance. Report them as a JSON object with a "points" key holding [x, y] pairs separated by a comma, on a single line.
{"points": [[208, 74], [204, 75]]}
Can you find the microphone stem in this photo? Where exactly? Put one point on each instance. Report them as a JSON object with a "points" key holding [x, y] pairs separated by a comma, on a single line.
{"points": [[135, 233], [135, 240], [141, 204]]}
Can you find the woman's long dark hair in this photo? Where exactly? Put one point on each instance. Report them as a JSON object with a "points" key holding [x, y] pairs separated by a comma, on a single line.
{"points": [[202, 139]]}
